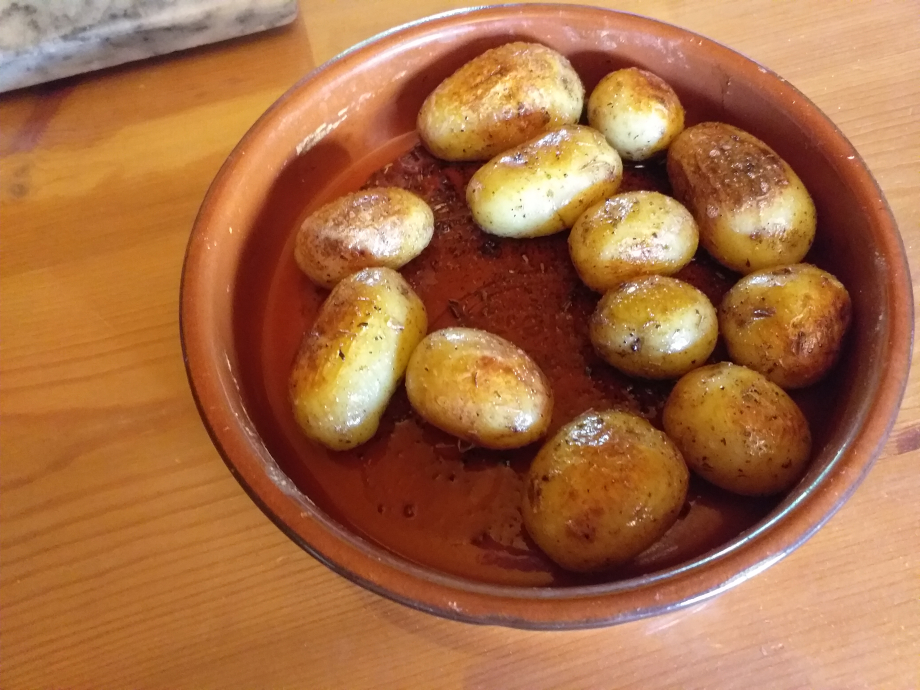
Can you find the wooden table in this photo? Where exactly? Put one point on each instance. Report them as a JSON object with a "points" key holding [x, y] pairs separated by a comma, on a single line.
{"points": [[130, 558]]}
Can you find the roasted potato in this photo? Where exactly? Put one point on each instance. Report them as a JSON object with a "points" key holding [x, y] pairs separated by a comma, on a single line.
{"points": [[738, 430], [654, 327], [353, 358], [629, 235], [384, 226], [603, 490], [787, 323], [500, 99], [479, 387], [543, 185], [637, 111], [752, 209]]}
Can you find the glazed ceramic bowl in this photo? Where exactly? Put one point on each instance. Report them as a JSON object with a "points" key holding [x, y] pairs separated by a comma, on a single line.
{"points": [[410, 516]]}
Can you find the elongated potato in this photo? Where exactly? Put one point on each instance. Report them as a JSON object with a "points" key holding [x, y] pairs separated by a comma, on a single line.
{"points": [[738, 430], [353, 358], [542, 186], [752, 209], [479, 387], [655, 327], [637, 111], [632, 234], [787, 323], [603, 490], [498, 100], [384, 226]]}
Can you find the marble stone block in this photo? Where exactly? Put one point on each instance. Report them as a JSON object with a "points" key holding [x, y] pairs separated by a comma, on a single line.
{"points": [[41, 40]]}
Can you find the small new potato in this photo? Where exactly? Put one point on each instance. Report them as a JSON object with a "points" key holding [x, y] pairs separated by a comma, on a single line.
{"points": [[752, 209], [738, 430], [353, 358], [601, 491], [544, 185], [632, 234], [500, 99], [654, 327], [383, 226], [479, 387], [637, 111], [787, 323]]}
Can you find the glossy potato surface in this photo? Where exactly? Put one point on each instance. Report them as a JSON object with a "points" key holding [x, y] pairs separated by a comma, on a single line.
{"points": [[787, 323], [603, 490], [383, 226], [544, 185], [479, 387], [637, 111], [738, 430], [500, 99], [353, 358], [752, 209], [655, 327], [632, 234]]}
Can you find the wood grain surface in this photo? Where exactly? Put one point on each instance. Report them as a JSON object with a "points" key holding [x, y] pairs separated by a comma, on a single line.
{"points": [[129, 556]]}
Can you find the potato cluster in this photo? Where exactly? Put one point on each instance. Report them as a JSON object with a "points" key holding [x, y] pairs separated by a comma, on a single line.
{"points": [[608, 484]]}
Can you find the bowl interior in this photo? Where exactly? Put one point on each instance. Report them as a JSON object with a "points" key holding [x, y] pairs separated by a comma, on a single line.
{"points": [[412, 493]]}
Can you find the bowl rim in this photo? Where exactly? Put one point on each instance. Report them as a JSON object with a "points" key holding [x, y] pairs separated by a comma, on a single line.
{"points": [[384, 572]]}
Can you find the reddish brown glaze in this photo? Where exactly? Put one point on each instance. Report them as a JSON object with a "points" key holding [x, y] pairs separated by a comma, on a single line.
{"points": [[412, 514], [419, 491]]}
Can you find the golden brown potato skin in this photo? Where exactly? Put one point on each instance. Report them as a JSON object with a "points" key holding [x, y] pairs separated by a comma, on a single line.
{"points": [[632, 234], [787, 323], [752, 209], [353, 358], [738, 430], [603, 490], [479, 387], [383, 226], [655, 327], [637, 111], [498, 100], [542, 186]]}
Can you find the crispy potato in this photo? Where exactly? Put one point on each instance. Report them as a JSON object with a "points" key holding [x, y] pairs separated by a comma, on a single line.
{"points": [[498, 100], [629, 235], [738, 430], [353, 358], [603, 490], [637, 111], [384, 226], [655, 327], [752, 209], [542, 186], [787, 323], [479, 387]]}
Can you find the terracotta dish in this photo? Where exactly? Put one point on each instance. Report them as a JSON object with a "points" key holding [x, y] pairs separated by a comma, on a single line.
{"points": [[434, 524]]}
